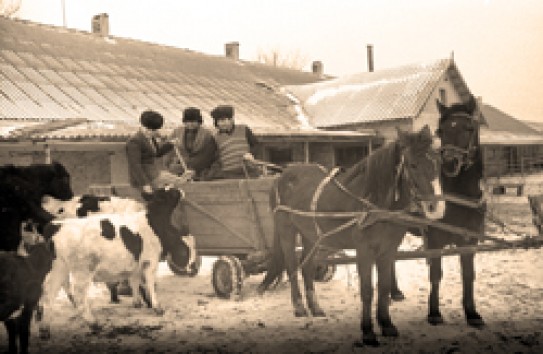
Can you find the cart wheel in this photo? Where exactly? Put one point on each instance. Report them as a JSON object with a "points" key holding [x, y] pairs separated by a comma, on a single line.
{"points": [[194, 269], [227, 276], [325, 272]]}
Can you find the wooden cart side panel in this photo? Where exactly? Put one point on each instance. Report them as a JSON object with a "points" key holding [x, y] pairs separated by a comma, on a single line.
{"points": [[228, 221]]}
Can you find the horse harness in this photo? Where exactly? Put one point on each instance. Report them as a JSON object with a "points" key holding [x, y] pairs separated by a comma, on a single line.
{"points": [[464, 156], [356, 218]]}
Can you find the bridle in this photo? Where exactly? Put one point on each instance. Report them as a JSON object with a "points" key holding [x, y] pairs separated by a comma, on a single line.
{"points": [[403, 172], [461, 157]]}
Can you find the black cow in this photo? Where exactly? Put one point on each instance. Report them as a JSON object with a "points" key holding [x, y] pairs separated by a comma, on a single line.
{"points": [[21, 193], [21, 280]]}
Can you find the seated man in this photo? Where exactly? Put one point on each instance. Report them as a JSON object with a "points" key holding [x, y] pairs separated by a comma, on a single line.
{"points": [[234, 143], [196, 147]]}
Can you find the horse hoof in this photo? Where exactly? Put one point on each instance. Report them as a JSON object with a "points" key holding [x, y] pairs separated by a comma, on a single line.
{"points": [[367, 340], [159, 311], [398, 296], [300, 313], [435, 320], [476, 322], [318, 313], [389, 331]]}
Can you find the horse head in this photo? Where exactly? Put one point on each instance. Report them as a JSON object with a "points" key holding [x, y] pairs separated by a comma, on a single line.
{"points": [[418, 173], [459, 133]]}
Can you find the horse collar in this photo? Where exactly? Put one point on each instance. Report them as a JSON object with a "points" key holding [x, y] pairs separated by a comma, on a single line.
{"points": [[320, 188]]}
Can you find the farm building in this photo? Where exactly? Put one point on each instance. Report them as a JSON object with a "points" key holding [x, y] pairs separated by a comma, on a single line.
{"points": [[76, 96], [406, 97]]}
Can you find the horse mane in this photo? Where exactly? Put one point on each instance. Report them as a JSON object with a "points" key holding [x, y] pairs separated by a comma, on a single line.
{"points": [[372, 178]]}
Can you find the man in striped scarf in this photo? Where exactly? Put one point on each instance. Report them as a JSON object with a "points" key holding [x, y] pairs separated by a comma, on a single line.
{"points": [[235, 143]]}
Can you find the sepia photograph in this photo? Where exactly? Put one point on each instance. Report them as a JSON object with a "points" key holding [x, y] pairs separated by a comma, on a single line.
{"points": [[271, 176]]}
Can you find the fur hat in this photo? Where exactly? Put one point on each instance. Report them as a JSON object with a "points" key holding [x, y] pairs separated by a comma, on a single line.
{"points": [[151, 120], [192, 114], [222, 111]]}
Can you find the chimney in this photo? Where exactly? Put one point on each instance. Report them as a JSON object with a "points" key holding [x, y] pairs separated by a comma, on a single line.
{"points": [[317, 68], [231, 50], [370, 58], [100, 24]]}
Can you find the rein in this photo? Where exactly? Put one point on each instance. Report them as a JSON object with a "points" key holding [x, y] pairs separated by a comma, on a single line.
{"points": [[463, 156]]}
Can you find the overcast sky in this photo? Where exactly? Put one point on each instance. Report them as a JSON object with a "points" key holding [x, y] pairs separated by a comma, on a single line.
{"points": [[497, 44]]}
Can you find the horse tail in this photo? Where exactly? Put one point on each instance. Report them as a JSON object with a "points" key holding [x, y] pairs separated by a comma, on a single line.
{"points": [[276, 263]]}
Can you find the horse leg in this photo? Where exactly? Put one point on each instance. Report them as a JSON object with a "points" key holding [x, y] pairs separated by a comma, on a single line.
{"points": [[395, 293], [308, 274], [385, 264], [364, 263], [436, 273], [468, 278], [288, 247]]}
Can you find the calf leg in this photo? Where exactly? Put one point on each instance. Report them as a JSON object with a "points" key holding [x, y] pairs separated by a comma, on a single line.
{"points": [[56, 278], [149, 271], [81, 283], [113, 293], [12, 329], [24, 326]]}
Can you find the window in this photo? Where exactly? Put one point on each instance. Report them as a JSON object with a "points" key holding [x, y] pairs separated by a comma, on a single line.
{"points": [[349, 155], [280, 155], [443, 96]]}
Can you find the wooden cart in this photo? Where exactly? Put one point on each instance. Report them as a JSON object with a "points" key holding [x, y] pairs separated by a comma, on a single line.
{"points": [[232, 219]]}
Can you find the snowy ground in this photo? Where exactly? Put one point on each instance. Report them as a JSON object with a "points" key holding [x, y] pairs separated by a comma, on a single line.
{"points": [[509, 293]]}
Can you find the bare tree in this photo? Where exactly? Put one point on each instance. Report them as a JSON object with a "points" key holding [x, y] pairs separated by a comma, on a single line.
{"points": [[279, 58], [9, 7]]}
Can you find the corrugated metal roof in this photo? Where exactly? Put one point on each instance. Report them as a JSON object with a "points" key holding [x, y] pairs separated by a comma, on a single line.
{"points": [[503, 129], [371, 96], [498, 120], [51, 72]]}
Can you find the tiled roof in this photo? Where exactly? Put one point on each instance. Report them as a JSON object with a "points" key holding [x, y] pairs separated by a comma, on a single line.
{"points": [[374, 96], [55, 73]]}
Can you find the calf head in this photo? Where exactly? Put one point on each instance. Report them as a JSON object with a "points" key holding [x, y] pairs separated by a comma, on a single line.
{"points": [[75, 207]]}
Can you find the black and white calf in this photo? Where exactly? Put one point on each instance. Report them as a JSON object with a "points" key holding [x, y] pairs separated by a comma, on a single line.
{"points": [[113, 247], [85, 205]]}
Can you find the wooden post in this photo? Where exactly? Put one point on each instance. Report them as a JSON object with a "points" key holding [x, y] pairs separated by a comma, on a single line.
{"points": [[306, 152], [47, 151]]}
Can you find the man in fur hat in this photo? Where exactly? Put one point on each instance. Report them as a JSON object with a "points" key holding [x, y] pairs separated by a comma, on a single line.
{"points": [[235, 143], [194, 143]]}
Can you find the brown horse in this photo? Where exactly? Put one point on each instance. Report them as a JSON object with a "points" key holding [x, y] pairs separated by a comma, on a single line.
{"points": [[330, 211], [461, 174]]}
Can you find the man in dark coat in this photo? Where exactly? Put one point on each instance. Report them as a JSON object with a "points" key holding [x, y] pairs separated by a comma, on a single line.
{"points": [[194, 143]]}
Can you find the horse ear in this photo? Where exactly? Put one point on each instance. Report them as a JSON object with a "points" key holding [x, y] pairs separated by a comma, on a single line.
{"points": [[400, 132], [471, 105], [440, 107], [425, 131]]}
